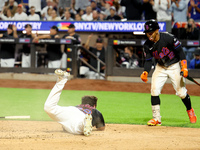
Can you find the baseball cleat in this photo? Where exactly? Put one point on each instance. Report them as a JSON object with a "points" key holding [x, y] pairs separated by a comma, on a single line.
{"points": [[192, 116], [87, 125], [153, 122], [61, 73]]}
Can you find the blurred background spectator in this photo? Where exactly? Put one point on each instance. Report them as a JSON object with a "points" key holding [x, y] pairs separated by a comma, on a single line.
{"points": [[67, 16], [12, 7], [161, 7], [195, 62], [113, 15], [120, 10], [88, 15], [191, 32], [95, 15], [7, 52], [94, 6], [2, 4], [20, 14], [149, 13], [81, 4], [133, 9], [66, 4], [54, 16], [129, 59], [194, 10], [8, 15], [99, 51], [33, 15], [102, 16], [78, 17], [37, 5], [45, 14], [178, 9]]}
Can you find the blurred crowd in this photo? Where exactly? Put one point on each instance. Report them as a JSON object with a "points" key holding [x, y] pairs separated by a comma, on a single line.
{"points": [[99, 10]]}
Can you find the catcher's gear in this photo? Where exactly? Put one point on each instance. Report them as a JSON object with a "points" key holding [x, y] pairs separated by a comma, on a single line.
{"points": [[144, 76], [184, 70], [151, 25]]}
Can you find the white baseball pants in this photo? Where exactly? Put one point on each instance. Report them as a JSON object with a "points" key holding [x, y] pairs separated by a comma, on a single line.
{"points": [[71, 118], [54, 64], [160, 76], [8, 62], [26, 60]]}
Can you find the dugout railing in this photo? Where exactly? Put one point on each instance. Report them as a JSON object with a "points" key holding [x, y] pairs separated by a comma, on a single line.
{"points": [[99, 61]]}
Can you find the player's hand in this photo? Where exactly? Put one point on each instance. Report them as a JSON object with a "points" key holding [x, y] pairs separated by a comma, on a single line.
{"points": [[184, 70], [90, 36], [143, 76], [14, 28], [35, 40]]}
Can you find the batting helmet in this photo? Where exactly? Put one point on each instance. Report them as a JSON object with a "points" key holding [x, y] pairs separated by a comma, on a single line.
{"points": [[151, 25]]}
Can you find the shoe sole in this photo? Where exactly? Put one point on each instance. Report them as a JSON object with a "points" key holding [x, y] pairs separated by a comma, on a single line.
{"points": [[59, 72], [88, 125], [151, 124]]}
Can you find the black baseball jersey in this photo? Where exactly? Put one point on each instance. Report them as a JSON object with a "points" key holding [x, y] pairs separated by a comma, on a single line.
{"points": [[7, 49], [97, 117], [54, 51], [166, 51], [26, 47], [100, 54]]}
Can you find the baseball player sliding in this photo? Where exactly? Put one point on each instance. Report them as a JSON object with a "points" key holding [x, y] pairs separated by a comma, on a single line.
{"points": [[170, 61], [74, 119]]}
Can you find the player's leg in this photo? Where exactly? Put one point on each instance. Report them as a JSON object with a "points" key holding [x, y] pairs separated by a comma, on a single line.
{"points": [[50, 106], [26, 59], [178, 83], [159, 78], [8, 62]]}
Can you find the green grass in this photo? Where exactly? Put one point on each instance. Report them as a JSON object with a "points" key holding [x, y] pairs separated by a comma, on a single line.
{"points": [[116, 107]]}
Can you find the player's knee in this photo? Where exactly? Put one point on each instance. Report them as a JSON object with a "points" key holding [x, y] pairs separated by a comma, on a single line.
{"points": [[47, 108], [155, 92], [181, 95]]}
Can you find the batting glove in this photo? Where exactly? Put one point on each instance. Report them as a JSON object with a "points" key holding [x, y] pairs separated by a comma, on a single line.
{"points": [[144, 76], [184, 70]]}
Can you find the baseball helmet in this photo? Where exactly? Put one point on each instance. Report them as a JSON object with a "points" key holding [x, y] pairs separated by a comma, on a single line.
{"points": [[151, 25]]}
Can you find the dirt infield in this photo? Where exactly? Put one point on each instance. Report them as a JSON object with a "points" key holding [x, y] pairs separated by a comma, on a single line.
{"points": [[40, 135]]}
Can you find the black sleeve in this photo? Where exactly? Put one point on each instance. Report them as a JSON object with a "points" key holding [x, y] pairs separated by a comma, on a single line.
{"points": [[178, 48], [77, 41], [148, 58], [97, 119], [148, 65]]}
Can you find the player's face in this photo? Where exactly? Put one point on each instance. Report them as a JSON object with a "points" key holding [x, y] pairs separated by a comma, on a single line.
{"points": [[99, 46], [9, 31], [28, 30], [153, 36]]}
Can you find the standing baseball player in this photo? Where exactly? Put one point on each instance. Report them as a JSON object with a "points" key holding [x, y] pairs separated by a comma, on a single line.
{"points": [[74, 119], [170, 62]]}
